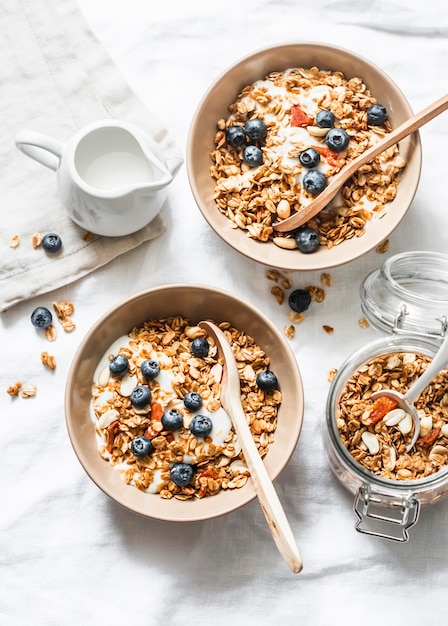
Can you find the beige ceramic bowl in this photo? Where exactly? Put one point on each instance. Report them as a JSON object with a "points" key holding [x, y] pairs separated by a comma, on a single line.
{"points": [[194, 302], [256, 66]]}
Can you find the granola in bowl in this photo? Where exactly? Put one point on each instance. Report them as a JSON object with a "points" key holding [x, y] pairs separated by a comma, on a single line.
{"points": [[184, 363], [290, 104]]}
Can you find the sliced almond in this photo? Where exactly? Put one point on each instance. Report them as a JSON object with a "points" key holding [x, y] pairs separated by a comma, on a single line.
{"points": [[405, 425], [103, 377], [394, 417], [107, 418], [438, 451], [127, 384], [389, 459], [317, 131], [371, 441], [425, 425]]}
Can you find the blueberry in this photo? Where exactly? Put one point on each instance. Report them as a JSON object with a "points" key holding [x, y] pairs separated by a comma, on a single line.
{"points": [[256, 130], [267, 381], [299, 300], [309, 158], [376, 115], [201, 425], [307, 239], [200, 347], [150, 369], [337, 139], [253, 156], [41, 317], [193, 401], [141, 446], [325, 119], [235, 136], [182, 474], [314, 182], [140, 396], [172, 419], [51, 242], [118, 365]]}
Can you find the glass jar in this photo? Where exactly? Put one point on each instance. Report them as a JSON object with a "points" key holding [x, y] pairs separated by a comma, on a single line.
{"points": [[408, 298]]}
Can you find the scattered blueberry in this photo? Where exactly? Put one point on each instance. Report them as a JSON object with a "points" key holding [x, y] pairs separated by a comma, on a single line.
{"points": [[309, 158], [150, 369], [118, 365], [41, 317], [314, 182], [325, 119], [172, 419], [376, 114], [299, 300], [307, 239], [235, 136], [193, 401], [51, 242], [253, 156], [337, 139], [141, 446], [256, 130], [201, 425], [140, 396], [267, 381], [200, 347], [182, 474]]}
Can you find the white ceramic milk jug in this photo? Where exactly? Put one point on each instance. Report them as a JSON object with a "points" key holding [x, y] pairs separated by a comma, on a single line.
{"points": [[112, 177]]}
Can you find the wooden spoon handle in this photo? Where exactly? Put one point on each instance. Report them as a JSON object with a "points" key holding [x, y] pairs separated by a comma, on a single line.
{"points": [[267, 496], [323, 199]]}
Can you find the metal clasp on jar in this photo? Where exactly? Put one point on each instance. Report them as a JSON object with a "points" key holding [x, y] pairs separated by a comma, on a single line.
{"points": [[381, 515]]}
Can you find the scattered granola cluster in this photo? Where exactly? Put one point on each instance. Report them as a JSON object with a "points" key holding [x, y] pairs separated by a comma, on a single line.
{"points": [[216, 457], [253, 197], [380, 445]]}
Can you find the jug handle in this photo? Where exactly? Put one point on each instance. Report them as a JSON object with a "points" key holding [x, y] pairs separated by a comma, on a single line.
{"points": [[41, 148]]}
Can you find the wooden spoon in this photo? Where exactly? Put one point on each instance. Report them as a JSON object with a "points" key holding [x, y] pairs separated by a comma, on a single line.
{"points": [[322, 200], [267, 496], [406, 400]]}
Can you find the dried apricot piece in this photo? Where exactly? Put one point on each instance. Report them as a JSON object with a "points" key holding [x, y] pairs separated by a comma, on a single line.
{"points": [[380, 408]]}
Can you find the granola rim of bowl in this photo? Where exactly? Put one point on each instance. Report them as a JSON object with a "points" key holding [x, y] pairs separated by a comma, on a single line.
{"points": [[255, 66], [194, 302]]}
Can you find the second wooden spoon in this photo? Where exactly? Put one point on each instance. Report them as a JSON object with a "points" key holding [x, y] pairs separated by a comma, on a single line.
{"points": [[324, 198], [267, 496]]}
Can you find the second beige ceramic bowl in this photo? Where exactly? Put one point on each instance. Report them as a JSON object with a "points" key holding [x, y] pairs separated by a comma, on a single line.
{"points": [[225, 89], [194, 302]]}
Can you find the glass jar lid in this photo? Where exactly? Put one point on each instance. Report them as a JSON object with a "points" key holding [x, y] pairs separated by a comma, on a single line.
{"points": [[408, 294]]}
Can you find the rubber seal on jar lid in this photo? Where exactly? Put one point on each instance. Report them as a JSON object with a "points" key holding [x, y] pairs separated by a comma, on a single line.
{"points": [[408, 294]]}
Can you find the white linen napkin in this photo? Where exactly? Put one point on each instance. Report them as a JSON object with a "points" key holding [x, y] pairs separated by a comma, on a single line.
{"points": [[56, 78]]}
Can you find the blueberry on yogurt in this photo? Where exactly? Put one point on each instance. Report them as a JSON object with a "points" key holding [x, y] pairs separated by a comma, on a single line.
{"points": [[141, 446], [253, 156], [181, 474], [325, 119], [200, 347], [314, 182], [140, 396], [150, 369], [172, 420], [309, 158], [307, 239], [256, 130], [41, 317], [376, 114], [192, 401], [235, 136], [267, 381], [118, 365], [201, 425], [337, 139]]}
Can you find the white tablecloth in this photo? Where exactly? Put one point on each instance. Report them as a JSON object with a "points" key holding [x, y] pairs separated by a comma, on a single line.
{"points": [[71, 556]]}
